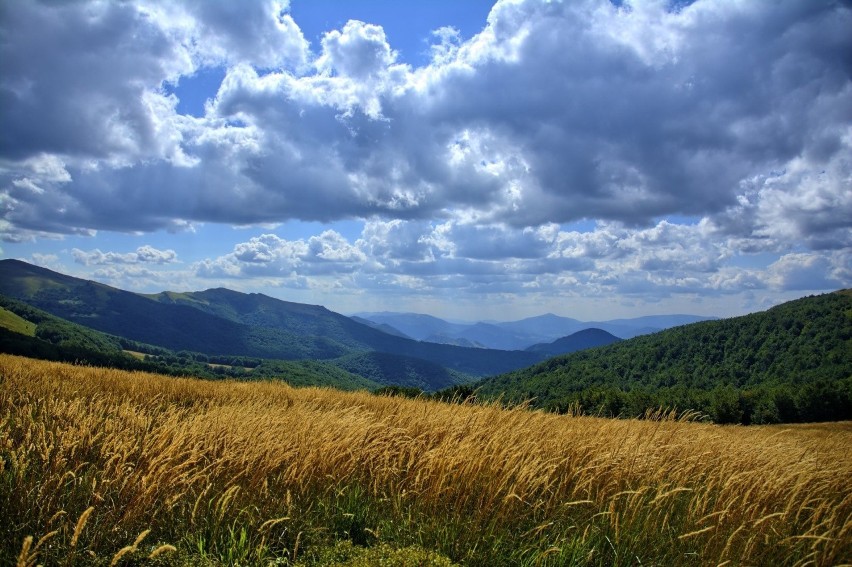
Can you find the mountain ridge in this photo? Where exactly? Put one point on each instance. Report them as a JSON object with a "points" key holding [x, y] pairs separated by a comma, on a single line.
{"points": [[523, 333], [221, 321]]}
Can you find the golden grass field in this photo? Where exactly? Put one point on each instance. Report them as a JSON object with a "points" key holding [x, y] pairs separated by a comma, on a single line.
{"points": [[103, 467]]}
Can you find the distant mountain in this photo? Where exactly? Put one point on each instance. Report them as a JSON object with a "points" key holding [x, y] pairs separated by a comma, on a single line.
{"points": [[457, 341], [493, 335], [587, 338], [415, 325], [222, 321], [790, 363], [312, 321], [520, 335], [548, 327], [385, 328]]}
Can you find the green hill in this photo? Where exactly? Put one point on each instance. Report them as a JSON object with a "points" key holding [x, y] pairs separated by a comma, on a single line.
{"points": [[49, 328], [224, 322], [15, 323], [28, 331], [394, 370], [132, 316], [790, 363], [587, 338], [260, 311]]}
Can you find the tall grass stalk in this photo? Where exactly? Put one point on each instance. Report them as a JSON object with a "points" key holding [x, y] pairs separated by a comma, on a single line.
{"points": [[107, 467]]}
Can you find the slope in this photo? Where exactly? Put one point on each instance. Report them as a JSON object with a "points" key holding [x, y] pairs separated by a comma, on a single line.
{"points": [[587, 338], [394, 370], [222, 321], [261, 311], [31, 332], [129, 315], [790, 363]]}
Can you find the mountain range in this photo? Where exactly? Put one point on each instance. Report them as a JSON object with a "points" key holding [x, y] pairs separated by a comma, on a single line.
{"points": [[518, 335], [225, 322], [790, 363]]}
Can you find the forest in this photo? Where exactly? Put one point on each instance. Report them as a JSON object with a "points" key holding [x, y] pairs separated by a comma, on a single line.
{"points": [[791, 363]]}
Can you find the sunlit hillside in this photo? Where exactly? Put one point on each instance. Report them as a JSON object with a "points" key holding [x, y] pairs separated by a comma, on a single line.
{"points": [[106, 467]]}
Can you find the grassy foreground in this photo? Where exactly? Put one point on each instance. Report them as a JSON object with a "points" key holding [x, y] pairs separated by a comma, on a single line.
{"points": [[104, 467]]}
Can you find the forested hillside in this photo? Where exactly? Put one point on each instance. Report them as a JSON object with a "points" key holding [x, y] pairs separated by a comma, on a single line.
{"points": [[394, 370], [220, 322], [27, 331], [790, 363], [587, 338]]}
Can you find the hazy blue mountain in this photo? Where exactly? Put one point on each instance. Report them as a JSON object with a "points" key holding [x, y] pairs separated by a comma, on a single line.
{"points": [[495, 336], [548, 326], [416, 325], [458, 341], [384, 327], [521, 334], [587, 338]]}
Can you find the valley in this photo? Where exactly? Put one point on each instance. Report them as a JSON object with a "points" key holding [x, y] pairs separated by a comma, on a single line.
{"points": [[786, 365]]}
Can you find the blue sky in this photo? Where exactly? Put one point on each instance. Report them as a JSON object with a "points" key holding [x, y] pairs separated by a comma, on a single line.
{"points": [[472, 160]]}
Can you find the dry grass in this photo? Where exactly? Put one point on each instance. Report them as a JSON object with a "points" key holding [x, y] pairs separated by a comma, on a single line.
{"points": [[252, 473]]}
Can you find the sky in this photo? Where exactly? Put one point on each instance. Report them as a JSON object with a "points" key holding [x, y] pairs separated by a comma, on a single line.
{"points": [[467, 159]]}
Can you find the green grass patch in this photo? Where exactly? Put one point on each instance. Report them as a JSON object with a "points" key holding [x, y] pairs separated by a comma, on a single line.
{"points": [[15, 323]]}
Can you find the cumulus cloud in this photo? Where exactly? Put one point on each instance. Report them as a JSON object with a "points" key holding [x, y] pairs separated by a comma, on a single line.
{"points": [[50, 261], [611, 260], [271, 256], [143, 255], [799, 271], [261, 33], [555, 112], [735, 116], [359, 51]]}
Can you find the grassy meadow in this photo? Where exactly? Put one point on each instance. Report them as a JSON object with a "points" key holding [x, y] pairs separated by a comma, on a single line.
{"points": [[105, 467]]}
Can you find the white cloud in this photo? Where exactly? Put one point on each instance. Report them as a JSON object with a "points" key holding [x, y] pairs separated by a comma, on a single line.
{"points": [[807, 272], [259, 33], [45, 260], [150, 255], [359, 51], [270, 256], [736, 116], [474, 261], [144, 255], [555, 112]]}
